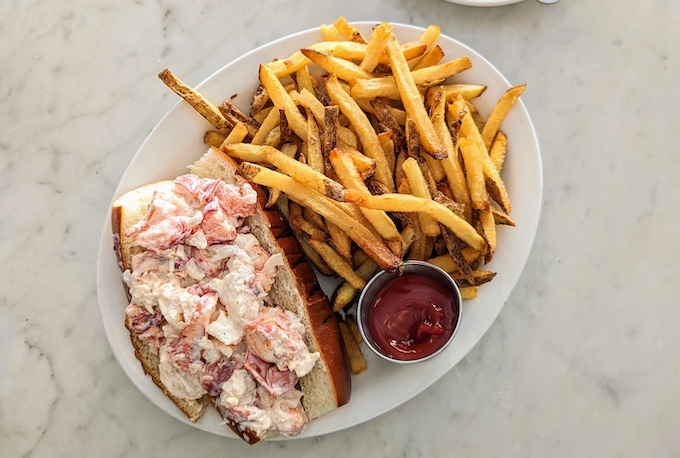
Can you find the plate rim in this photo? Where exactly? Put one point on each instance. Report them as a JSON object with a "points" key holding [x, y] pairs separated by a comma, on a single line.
{"points": [[105, 242]]}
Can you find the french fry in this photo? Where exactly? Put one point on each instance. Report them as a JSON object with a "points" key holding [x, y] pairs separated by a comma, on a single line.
{"points": [[479, 277], [314, 156], [501, 218], [386, 86], [199, 103], [385, 139], [235, 116], [349, 177], [260, 100], [268, 124], [451, 242], [412, 102], [295, 216], [329, 136], [429, 37], [474, 175], [385, 116], [344, 69], [340, 239], [376, 46], [338, 263], [349, 31], [413, 204], [455, 176], [499, 148], [365, 131], [364, 164], [488, 224], [283, 101], [357, 362], [419, 188], [237, 135], [302, 173], [304, 79], [212, 138], [329, 33], [346, 292], [432, 57], [305, 196], [476, 148], [452, 91], [499, 112], [343, 49], [468, 292]]}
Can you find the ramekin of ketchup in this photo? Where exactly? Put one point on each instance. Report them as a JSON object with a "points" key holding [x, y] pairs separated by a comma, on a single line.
{"points": [[409, 316]]}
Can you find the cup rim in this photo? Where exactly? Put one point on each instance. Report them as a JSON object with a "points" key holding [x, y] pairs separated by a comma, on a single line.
{"points": [[383, 277]]}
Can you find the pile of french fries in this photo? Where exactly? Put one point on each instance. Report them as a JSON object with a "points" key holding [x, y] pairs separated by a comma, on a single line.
{"points": [[372, 156]]}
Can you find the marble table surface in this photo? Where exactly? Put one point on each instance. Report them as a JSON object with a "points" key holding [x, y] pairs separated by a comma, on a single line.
{"points": [[583, 359]]}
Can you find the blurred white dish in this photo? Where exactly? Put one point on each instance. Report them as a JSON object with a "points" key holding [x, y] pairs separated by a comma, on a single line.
{"points": [[484, 2], [177, 141]]}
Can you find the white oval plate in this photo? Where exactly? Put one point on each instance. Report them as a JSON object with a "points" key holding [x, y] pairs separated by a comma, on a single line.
{"points": [[177, 141], [484, 2]]}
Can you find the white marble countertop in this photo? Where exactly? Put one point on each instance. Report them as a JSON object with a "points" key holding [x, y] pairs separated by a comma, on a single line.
{"points": [[583, 358]]}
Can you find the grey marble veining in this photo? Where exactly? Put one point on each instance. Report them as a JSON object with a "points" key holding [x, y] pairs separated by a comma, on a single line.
{"points": [[583, 358]]}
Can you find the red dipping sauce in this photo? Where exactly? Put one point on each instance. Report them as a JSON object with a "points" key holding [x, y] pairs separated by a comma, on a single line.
{"points": [[412, 316]]}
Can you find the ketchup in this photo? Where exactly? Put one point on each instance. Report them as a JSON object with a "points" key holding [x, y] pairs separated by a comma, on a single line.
{"points": [[412, 316]]}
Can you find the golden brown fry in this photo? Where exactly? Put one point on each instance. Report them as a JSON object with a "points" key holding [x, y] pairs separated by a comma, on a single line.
{"points": [[364, 164], [386, 86], [412, 101], [432, 57], [413, 204], [350, 178], [197, 101], [237, 135], [451, 166], [338, 263], [314, 156], [500, 110], [282, 100], [302, 173], [270, 122], [345, 293], [499, 147], [364, 129], [468, 292], [387, 119], [340, 239], [329, 136], [501, 218], [479, 197], [326, 207], [488, 224], [357, 362], [232, 113], [344, 69], [494, 183], [260, 99], [385, 139], [479, 277], [376, 46], [451, 91], [212, 138], [451, 242], [429, 37], [329, 33], [419, 188], [304, 80], [315, 218], [349, 31]]}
